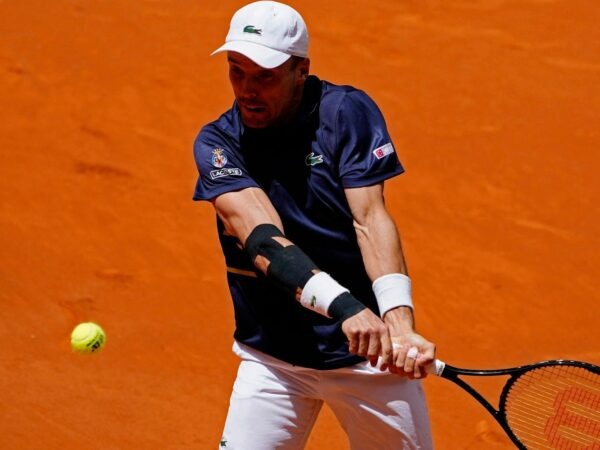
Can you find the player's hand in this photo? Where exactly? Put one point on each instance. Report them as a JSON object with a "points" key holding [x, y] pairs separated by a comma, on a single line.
{"points": [[368, 337], [412, 353]]}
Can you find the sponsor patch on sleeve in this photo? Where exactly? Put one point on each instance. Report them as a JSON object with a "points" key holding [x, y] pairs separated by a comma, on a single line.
{"points": [[383, 151], [219, 160], [214, 174]]}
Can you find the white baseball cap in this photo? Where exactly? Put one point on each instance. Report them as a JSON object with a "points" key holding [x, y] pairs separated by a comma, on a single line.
{"points": [[268, 33]]}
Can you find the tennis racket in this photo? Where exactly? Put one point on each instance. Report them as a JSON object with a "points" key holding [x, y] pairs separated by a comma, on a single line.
{"points": [[546, 405]]}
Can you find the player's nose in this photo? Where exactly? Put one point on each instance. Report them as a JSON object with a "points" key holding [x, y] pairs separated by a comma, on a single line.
{"points": [[249, 88]]}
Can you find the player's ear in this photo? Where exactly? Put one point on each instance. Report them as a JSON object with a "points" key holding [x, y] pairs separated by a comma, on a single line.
{"points": [[301, 66], [304, 67]]}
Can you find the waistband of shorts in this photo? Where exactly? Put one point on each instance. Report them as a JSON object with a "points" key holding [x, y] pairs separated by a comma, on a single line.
{"points": [[248, 353]]}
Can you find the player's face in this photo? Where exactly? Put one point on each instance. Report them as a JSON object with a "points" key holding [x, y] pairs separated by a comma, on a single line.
{"points": [[266, 97]]}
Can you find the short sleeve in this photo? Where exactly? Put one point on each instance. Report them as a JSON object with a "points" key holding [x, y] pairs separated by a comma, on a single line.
{"points": [[367, 155], [220, 166]]}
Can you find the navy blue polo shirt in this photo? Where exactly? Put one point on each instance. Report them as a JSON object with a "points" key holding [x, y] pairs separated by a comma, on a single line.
{"points": [[337, 140]]}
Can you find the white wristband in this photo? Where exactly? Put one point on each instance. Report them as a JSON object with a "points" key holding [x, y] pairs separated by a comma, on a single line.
{"points": [[320, 291], [391, 291]]}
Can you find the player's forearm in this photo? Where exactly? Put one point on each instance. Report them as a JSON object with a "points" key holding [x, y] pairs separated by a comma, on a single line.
{"points": [[380, 245], [383, 257], [292, 270]]}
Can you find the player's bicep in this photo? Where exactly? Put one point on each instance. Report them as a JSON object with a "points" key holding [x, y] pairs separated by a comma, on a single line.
{"points": [[242, 211]]}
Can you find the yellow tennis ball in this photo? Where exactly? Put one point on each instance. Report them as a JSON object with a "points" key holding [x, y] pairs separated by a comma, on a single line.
{"points": [[88, 337]]}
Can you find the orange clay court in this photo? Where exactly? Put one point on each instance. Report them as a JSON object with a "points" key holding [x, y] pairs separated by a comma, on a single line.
{"points": [[493, 106]]}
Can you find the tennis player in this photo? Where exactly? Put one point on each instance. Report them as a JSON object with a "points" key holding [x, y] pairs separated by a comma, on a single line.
{"points": [[322, 301]]}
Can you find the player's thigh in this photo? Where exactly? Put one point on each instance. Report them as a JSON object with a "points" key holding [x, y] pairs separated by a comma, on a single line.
{"points": [[268, 409], [382, 411]]}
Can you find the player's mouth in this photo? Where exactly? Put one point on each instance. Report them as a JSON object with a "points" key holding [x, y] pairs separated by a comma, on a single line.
{"points": [[254, 115], [253, 109]]}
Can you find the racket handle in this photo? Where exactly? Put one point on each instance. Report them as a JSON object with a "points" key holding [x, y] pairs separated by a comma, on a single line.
{"points": [[436, 367]]}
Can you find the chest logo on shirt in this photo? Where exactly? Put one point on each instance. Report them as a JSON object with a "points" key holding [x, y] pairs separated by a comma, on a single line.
{"points": [[312, 159], [218, 158], [383, 151]]}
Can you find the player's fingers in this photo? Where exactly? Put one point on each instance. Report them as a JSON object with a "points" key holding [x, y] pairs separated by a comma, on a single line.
{"points": [[428, 354], [399, 357], [425, 358], [353, 342], [374, 349], [360, 329], [396, 355], [394, 367], [386, 351], [410, 358], [420, 370], [364, 344]]}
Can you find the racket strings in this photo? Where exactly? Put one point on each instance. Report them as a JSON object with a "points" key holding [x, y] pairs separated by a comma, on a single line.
{"points": [[555, 407]]}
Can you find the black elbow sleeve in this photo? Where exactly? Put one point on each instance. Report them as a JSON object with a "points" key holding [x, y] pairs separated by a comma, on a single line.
{"points": [[289, 267], [261, 242]]}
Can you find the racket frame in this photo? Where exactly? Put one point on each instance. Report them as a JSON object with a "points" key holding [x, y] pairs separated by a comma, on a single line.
{"points": [[453, 374]]}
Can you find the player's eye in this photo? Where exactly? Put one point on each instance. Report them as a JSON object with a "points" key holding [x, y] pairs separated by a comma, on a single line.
{"points": [[265, 76], [236, 72]]}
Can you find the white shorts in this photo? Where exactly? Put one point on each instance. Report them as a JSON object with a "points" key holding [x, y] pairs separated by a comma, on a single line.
{"points": [[274, 405]]}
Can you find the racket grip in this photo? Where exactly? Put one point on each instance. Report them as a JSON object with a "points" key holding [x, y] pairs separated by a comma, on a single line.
{"points": [[436, 367]]}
